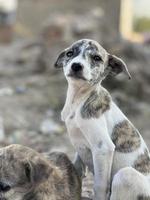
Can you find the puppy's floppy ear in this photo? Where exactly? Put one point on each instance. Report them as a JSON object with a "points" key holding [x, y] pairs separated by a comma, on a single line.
{"points": [[60, 60], [116, 66], [37, 171]]}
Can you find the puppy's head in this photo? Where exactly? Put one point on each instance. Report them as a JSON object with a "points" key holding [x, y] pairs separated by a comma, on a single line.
{"points": [[87, 60], [21, 170]]}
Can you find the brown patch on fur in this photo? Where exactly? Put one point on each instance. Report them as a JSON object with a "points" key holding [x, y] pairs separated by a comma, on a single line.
{"points": [[96, 104], [142, 164], [125, 137]]}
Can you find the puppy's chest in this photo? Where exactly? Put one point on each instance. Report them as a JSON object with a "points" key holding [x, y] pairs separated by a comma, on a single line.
{"points": [[79, 141], [75, 134]]}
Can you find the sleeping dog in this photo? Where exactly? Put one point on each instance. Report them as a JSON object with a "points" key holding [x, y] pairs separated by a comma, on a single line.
{"points": [[104, 138], [28, 175]]}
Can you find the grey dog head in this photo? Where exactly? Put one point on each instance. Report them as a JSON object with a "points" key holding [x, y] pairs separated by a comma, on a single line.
{"points": [[22, 169], [87, 60]]}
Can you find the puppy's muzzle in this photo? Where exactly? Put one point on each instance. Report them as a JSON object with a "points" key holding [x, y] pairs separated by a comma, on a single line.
{"points": [[76, 71], [76, 67]]}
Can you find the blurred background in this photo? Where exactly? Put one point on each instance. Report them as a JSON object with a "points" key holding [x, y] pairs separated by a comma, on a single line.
{"points": [[32, 92]]}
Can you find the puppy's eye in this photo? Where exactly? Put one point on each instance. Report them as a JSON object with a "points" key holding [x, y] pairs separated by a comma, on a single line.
{"points": [[97, 58], [69, 53]]}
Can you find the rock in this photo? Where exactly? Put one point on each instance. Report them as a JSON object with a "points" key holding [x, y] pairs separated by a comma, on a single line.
{"points": [[6, 91], [21, 89], [49, 127]]}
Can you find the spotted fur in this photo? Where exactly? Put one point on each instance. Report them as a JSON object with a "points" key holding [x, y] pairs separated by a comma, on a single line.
{"points": [[142, 164], [125, 137], [92, 48], [62, 59], [95, 105]]}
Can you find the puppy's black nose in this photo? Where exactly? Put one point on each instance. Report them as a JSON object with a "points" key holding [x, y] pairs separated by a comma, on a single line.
{"points": [[4, 187], [76, 67]]}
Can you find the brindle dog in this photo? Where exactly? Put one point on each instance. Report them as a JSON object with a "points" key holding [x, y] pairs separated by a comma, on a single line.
{"points": [[28, 175]]}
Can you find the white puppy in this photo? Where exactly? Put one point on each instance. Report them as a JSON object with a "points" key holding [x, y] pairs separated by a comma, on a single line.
{"points": [[105, 140]]}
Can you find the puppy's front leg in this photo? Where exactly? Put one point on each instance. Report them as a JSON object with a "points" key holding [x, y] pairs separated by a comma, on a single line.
{"points": [[96, 133], [102, 160]]}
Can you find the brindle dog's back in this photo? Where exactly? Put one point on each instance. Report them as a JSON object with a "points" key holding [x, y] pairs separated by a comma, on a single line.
{"points": [[72, 180]]}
